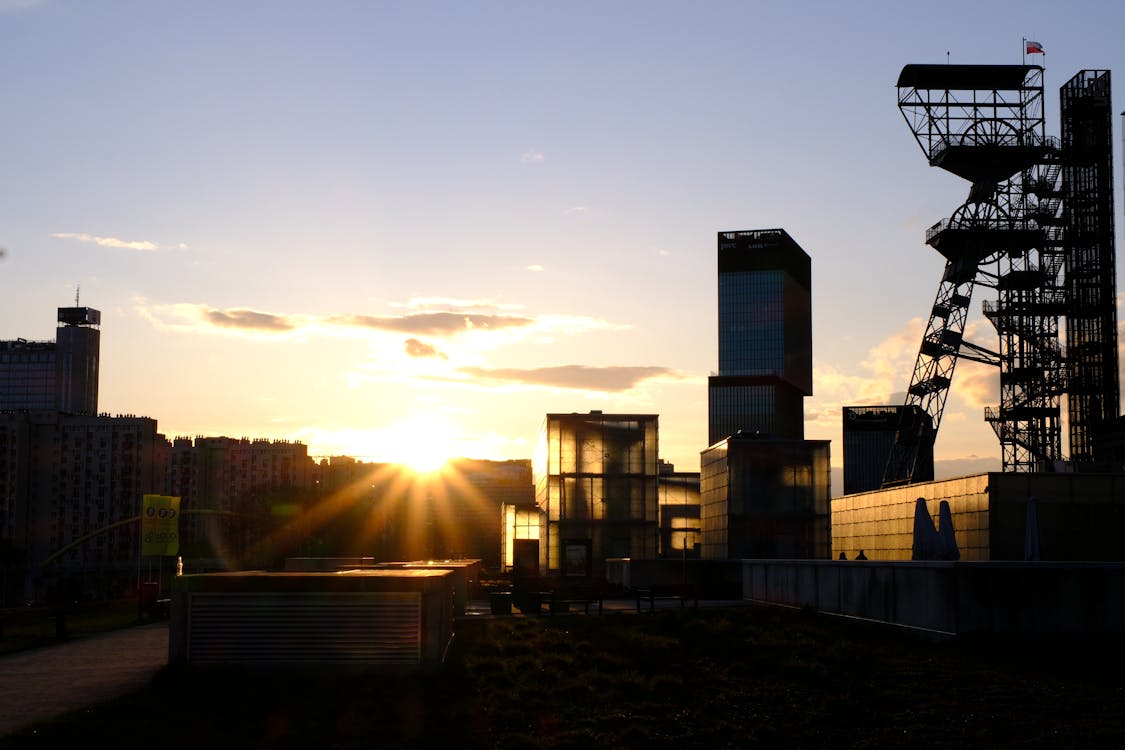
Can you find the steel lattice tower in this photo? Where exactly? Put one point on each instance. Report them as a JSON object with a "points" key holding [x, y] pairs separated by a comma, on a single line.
{"points": [[1093, 391], [985, 123]]}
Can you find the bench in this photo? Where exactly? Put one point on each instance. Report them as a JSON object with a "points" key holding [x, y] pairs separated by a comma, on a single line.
{"points": [[567, 594], [679, 591]]}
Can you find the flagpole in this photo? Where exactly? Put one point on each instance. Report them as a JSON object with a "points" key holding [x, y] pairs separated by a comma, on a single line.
{"points": [[1023, 51]]}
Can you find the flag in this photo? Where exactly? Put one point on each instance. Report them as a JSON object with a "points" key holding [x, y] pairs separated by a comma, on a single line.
{"points": [[1034, 48], [160, 525]]}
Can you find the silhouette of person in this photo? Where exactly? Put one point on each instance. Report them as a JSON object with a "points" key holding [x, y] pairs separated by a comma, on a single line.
{"points": [[843, 556], [861, 556]]}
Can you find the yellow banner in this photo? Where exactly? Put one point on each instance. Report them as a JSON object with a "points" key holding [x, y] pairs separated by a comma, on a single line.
{"points": [[160, 525]]}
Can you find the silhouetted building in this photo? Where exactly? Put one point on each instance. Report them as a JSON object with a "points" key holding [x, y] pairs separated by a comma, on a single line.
{"points": [[596, 485], [764, 490], [765, 498], [71, 489], [241, 500], [59, 375], [765, 336], [678, 493], [869, 436]]}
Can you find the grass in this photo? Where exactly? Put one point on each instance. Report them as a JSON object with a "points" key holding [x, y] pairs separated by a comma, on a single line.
{"points": [[712, 678]]}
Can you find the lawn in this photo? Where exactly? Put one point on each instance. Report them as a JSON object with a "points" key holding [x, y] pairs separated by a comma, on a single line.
{"points": [[712, 678]]}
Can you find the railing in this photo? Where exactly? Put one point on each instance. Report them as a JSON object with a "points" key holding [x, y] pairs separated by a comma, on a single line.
{"points": [[994, 225]]}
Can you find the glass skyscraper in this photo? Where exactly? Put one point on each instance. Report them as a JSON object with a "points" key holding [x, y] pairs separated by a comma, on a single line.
{"points": [[765, 337]]}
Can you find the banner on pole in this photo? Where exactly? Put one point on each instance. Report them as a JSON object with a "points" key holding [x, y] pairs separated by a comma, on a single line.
{"points": [[160, 525]]}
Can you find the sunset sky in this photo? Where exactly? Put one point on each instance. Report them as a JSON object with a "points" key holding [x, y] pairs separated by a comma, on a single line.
{"points": [[364, 225]]}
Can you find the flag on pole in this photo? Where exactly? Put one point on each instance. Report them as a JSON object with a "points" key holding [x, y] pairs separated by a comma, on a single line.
{"points": [[1033, 48]]}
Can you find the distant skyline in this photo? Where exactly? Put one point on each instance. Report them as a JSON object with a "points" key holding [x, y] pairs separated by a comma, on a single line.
{"points": [[369, 225]]}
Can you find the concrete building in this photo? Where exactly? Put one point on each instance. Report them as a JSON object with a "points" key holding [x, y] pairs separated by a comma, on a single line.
{"points": [[237, 499], [71, 489], [765, 336], [59, 375], [596, 488]]}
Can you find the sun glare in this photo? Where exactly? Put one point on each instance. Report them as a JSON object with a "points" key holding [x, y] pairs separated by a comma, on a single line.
{"points": [[425, 443]]}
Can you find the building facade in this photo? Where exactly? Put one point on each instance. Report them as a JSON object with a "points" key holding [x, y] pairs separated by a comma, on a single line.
{"points": [[59, 375], [596, 488], [765, 498], [765, 336], [869, 436], [996, 516], [71, 488]]}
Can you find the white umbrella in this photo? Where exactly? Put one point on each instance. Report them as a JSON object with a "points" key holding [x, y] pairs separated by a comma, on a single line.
{"points": [[949, 548], [927, 544]]}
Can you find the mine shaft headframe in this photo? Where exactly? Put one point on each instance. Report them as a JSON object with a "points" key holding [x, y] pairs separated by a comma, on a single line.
{"points": [[983, 123]]}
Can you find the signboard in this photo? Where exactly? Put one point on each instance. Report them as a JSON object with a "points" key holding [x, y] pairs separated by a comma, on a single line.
{"points": [[160, 525]]}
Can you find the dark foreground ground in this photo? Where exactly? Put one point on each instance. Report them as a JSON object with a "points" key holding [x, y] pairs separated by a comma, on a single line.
{"points": [[712, 678]]}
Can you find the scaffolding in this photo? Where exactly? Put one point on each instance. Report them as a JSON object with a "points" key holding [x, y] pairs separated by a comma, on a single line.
{"points": [[985, 124], [1093, 392]]}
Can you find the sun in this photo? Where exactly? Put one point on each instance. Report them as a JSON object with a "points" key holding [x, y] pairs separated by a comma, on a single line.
{"points": [[425, 443]]}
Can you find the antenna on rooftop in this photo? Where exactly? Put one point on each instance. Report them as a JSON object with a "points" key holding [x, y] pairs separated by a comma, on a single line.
{"points": [[77, 293]]}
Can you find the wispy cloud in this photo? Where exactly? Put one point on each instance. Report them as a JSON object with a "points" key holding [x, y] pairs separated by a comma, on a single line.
{"points": [[531, 156], [534, 267], [574, 377], [251, 319], [447, 324], [434, 324], [107, 241], [576, 210]]}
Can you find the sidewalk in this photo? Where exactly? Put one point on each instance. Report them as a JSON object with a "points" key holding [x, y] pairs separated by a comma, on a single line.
{"points": [[46, 682]]}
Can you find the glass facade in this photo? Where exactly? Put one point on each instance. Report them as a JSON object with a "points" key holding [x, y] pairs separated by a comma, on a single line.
{"points": [[765, 336], [766, 499], [596, 479], [752, 323]]}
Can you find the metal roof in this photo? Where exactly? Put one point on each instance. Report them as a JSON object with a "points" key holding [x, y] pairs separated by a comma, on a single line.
{"points": [[965, 77]]}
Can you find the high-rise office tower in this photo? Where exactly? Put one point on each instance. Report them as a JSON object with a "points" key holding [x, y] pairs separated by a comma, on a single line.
{"points": [[60, 375], [765, 337]]}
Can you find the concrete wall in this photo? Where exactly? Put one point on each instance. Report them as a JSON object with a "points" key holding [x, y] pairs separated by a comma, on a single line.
{"points": [[950, 597]]}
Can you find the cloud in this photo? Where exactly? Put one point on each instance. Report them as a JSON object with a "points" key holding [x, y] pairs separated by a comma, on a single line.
{"points": [[416, 348], [576, 377], [107, 241], [250, 319], [436, 324], [448, 324], [576, 210], [535, 267], [531, 156]]}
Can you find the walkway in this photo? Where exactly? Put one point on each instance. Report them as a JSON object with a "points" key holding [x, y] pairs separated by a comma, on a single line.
{"points": [[47, 682]]}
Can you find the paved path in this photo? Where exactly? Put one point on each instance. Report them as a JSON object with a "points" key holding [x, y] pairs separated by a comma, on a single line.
{"points": [[47, 682]]}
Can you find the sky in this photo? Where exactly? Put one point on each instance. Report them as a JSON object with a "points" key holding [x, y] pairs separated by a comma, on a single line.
{"points": [[368, 226]]}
